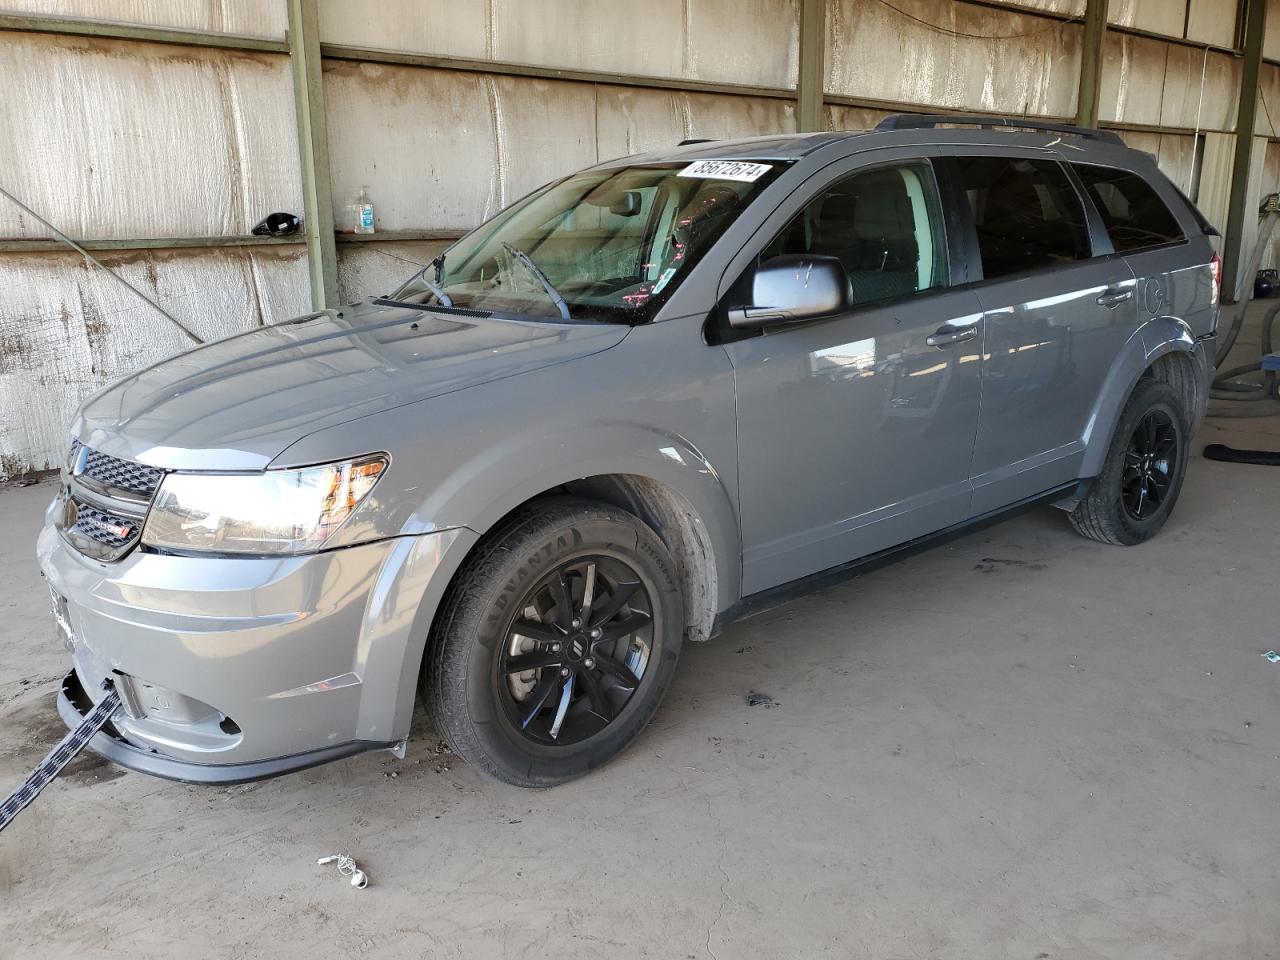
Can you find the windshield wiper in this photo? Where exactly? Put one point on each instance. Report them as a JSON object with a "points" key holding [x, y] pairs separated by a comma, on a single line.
{"points": [[438, 263], [525, 261], [444, 298]]}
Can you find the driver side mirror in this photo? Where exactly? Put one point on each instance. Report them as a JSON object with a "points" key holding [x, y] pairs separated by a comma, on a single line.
{"points": [[792, 288]]}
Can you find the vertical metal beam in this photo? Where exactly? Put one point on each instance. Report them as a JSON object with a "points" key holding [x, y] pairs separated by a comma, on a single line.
{"points": [[1095, 32], [813, 66], [1246, 119], [313, 150]]}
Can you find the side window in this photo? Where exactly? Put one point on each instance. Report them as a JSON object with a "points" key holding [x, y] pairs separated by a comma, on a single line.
{"points": [[1135, 216], [882, 225], [1026, 212]]}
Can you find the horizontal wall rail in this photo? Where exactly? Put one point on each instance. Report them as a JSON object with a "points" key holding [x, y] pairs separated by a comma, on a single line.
{"points": [[400, 236], [35, 245], [72, 26], [41, 245], [503, 68]]}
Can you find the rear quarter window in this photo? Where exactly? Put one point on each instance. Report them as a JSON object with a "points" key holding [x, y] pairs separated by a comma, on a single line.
{"points": [[1135, 216]]}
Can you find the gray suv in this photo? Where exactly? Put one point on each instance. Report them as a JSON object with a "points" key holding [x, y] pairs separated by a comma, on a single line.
{"points": [[642, 402]]}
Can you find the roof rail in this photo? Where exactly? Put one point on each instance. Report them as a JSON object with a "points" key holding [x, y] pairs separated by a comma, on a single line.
{"points": [[692, 140], [918, 121]]}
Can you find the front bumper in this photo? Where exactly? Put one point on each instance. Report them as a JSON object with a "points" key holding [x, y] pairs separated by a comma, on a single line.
{"points": [[74, 703], [236, 669]]}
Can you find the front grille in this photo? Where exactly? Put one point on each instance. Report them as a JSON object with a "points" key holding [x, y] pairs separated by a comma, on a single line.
{"points": [[95, 532], [113, 476], [113, 532], [105, 502]]}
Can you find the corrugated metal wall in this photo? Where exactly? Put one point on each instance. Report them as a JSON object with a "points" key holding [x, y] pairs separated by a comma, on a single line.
{"points": [[125, 139]]}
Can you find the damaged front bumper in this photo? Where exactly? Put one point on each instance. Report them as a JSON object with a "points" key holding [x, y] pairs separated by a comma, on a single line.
{"points": [[235, 669], [74, 704]]}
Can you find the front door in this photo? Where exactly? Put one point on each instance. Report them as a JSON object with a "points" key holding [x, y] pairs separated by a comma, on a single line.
{"points": [[855, 432]]}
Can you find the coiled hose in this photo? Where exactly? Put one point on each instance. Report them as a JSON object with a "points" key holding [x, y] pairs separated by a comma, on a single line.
{"points": [[1227, 387], [1225, 384]]}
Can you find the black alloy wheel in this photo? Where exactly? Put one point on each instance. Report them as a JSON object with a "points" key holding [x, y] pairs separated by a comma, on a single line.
{"points": [[1134, 491], [1150, 465], [576, 650], [555, 642]]}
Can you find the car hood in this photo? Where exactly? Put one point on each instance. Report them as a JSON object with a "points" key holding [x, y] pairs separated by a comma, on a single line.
{"points": [[238, 403]]}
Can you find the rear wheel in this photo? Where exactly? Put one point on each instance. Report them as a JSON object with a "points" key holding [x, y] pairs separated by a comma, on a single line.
{"points": [[1142, 476], [556, 643]]}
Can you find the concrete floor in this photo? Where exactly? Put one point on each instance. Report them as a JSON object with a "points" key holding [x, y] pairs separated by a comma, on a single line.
{"points": [[1020, 745]]}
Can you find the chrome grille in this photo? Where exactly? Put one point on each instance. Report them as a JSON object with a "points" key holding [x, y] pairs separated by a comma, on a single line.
{"points": [[113, 476], [105, 502], [113, 532]]}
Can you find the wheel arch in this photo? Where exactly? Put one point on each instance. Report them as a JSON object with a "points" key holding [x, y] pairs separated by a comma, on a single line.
{"points": [[659, 476], [1162, 349], [680, 528], [662, 480], [678, 524]]}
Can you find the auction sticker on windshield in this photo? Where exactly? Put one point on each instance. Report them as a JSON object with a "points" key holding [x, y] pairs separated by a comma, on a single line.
{"points": [[726, 170]]}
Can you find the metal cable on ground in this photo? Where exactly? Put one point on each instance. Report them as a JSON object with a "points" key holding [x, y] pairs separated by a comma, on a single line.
{"points": [[94, 260]]}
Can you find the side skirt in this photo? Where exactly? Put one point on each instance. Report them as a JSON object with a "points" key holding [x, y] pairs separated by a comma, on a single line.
{"points": [[765, 600]]}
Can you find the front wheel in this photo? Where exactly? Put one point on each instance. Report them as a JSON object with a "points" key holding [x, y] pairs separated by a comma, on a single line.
{"points": [[556, 642], [1140, 480]]}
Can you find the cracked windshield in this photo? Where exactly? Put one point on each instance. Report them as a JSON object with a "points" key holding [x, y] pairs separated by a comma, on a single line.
{"points": [[604, 245]]}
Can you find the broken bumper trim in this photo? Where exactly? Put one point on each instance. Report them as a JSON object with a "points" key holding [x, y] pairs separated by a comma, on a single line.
{"points": [[74, 704]]}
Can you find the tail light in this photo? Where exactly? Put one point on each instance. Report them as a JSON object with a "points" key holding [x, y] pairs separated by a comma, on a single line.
{"points": [[1215, 271]]}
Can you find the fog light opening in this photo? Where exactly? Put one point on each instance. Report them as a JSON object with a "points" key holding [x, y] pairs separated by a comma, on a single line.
{"points": [[229, 726]]}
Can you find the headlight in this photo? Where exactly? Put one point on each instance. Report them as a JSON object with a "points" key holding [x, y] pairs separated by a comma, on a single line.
{"points": [[276, 512]]}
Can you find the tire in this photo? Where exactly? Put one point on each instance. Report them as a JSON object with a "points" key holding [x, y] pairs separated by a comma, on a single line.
{"points": [[507, 610], [1128, 480]]}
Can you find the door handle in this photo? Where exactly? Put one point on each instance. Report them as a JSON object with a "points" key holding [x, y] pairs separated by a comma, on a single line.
{"points": [[1113, 298], [945, 337]]}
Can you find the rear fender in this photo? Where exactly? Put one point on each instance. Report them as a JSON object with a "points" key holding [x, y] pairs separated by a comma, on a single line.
{"points": [[1151, 341]]}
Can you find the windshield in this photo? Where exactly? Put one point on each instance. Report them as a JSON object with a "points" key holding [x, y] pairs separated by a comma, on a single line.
{"points": [[605, 245]]}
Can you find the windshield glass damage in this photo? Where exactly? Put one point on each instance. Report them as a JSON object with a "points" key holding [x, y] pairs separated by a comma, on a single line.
{"points": [[605, 245]]}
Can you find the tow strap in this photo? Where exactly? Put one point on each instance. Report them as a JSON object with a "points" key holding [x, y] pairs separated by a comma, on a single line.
{"points": [[60, 756]]}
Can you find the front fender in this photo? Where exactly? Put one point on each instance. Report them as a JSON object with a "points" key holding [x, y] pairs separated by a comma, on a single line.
{"points": [[659, 407], [1155, 338], [500, 478], [483, 490]]}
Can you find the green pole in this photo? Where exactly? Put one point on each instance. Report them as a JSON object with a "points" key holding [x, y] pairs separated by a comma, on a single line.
{"points": [[313, 150], [1246, 118], [1095, 31], [812, 68]]}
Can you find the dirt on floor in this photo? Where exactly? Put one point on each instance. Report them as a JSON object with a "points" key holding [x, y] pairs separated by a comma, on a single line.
{"points": [[1020, 745]]}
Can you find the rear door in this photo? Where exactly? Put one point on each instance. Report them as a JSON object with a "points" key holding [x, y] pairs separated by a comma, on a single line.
{"points": [[1058, 305]]}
